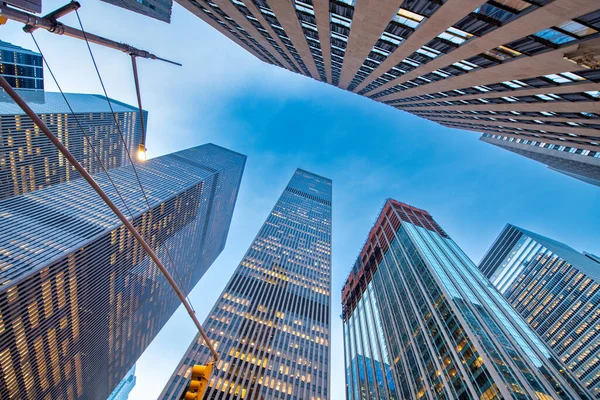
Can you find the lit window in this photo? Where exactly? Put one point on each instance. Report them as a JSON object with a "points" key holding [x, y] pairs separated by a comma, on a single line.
{"points": [[408, 18]]}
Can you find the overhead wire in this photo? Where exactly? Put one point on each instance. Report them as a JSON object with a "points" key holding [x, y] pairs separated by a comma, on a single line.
{"points": [[125, 145], [85, 135]]}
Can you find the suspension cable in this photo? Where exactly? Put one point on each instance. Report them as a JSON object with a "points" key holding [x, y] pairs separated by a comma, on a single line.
{"points": [[127, 150]]}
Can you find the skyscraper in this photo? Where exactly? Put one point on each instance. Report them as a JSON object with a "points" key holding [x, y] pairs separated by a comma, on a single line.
{"points": [[421, 321], [271, 323], [79, 298], [520, 68], [31, 162], [157, 9], [572, 161], [22, 68], [557, 291], [124, 387]]}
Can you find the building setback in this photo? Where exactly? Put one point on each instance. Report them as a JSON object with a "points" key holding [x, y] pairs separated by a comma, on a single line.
{"points": [[79, 298], [499, 66], [271, 324], [422, 322], [22, 68], [557, 291], [29, 161]]}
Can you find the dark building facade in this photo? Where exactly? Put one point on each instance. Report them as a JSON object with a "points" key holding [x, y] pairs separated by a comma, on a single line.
{"points": [[79, 298], [157, 9], [520, 68], [29, 161], [572, 161], [22, 68], [271, 324], [557, 291], [422, 322]]}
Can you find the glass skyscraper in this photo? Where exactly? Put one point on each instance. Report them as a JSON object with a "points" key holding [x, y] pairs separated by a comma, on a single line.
{"points": [[271, 323], [79, 298], [124, 387], [22, 68], [557, 291], [422, 322], [29, 161]]}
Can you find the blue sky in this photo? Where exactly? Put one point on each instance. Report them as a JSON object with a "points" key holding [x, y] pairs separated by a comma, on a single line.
{"points": [[282, 121]]}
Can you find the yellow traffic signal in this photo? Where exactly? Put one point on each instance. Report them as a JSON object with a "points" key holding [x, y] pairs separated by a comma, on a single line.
{"points": [[199, 381]]}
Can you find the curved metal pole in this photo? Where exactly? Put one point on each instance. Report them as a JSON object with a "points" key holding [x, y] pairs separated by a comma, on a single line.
{"points": [[34, 117], [139, 99]]}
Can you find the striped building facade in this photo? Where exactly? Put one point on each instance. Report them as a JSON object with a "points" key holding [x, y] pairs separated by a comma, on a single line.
{"points": [[79, 298], [556, 290], [29, 161], [422, 322], [22, 68], [525, 69], [271, 324]]}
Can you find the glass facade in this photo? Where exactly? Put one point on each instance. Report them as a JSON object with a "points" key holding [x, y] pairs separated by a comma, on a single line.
{"points": [[421, 321], [22, 68], [271, 323], [29, 161], [557, 291], [125, 387], [79, 298]]}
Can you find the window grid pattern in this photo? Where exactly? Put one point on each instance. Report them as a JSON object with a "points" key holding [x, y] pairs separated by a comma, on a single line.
{"points": [[254, 21], [22, 68], [446, 330], [271, 323], [270, 17], [340, 17], [29, 161], [306, 18], [79, 298], [554, 294], [585, 27]]}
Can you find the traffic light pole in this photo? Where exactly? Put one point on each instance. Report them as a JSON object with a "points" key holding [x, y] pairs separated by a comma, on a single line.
{"points": [[65, 152]]}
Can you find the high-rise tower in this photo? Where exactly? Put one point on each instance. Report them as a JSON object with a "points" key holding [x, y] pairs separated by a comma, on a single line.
{"points": [[31, 162], [22, 68], [271, 323], [520, 68], [422, 322], [575, 162], [80, 299], [556, 290]]}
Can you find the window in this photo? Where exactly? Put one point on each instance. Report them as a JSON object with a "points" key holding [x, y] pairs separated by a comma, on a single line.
{"points": [[408, 18], [455, 35]]}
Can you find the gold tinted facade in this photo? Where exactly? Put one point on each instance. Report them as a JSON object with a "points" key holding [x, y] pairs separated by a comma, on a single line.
{"points": [[79, 298], [271, 323], [557, 291], [29, 161]]}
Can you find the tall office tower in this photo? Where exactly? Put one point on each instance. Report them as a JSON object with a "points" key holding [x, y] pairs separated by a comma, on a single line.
{"points": [[124, 387], [572, 161], [31, 162], [557, 291], [522, 68], [80, 299], [271, 323], [422, 322], [22, 68], [157, 9]]}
